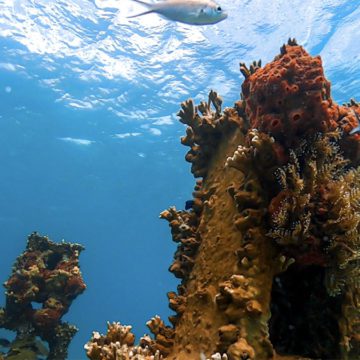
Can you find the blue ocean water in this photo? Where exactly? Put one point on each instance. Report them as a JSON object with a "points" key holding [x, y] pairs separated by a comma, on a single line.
{"points": [[89, 139]]}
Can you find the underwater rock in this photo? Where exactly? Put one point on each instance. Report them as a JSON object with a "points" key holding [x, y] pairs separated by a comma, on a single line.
{"points": [[48, 274], [269, 250]]}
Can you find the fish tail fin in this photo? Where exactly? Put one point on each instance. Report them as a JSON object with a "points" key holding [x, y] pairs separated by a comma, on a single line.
{"points": [[141, 14]]}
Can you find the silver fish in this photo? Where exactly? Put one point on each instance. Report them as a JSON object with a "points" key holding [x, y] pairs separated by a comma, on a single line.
{"points": [[193, 12]]}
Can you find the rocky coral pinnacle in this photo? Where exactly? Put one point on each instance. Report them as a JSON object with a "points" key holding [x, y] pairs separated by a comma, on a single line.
{"points": [[46, 273], [268, 252]]}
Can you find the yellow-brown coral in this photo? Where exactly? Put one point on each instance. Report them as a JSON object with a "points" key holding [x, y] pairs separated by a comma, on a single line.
{"points": [[118, 343]]}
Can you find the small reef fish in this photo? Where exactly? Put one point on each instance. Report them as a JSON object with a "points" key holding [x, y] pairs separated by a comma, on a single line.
{"points": [[189, 204], [4, 342], [193, 12], [356, 130]]}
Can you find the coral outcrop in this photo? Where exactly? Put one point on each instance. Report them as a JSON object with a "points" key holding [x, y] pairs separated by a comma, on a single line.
{"points": [[269, 248], [118, 343], [45, 279]]}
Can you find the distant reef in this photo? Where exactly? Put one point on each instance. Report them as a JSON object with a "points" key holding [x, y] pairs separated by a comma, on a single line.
{"points": [[268, 250], [45, 279]]}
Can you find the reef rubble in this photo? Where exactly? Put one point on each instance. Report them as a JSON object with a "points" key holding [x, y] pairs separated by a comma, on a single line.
{"points": [[268, 253], [45, 280]]}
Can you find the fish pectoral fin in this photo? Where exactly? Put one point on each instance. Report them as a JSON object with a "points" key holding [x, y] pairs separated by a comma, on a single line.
{"points": [[141, 14]]}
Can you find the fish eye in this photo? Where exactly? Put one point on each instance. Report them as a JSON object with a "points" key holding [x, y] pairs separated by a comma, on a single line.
{"points": [[218, 8]]}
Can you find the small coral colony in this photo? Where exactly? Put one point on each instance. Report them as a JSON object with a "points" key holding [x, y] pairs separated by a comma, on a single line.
{"points": [[268, 249]]}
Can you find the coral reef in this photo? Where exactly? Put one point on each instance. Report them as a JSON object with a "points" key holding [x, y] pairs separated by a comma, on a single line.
{"points": [[46, 278], [269, 248]]}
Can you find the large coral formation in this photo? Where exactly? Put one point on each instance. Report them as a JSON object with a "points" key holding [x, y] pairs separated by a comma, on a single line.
{"points": [[268, 255], [45, 274]]}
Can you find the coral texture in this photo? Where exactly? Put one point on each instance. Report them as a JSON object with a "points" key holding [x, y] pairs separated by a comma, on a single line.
{"points": [[48, 274], [269, 248], [118, 343]]}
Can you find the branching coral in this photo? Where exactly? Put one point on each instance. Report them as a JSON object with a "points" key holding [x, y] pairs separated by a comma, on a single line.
{"points": [[251, 70], [118, 343], [46, 273], [205, 131]]}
